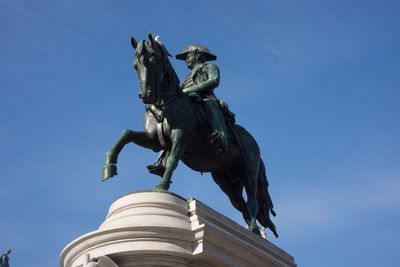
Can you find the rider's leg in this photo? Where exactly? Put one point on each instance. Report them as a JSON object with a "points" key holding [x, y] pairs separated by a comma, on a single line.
{"points": [[217, 121]]}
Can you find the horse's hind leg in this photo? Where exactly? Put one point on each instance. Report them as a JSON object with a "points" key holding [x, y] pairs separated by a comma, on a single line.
{"points": [[234, 192], [265, 201], [142, 139], [250, 185]]}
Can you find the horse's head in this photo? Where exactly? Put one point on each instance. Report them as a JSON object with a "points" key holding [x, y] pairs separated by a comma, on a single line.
{"points": [[151, 66]]}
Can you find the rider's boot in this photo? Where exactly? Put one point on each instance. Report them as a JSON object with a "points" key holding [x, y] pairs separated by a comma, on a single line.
{"points": [[158, 168]]}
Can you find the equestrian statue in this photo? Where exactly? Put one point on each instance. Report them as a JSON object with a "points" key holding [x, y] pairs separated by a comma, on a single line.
{"points": [[189, 123]]}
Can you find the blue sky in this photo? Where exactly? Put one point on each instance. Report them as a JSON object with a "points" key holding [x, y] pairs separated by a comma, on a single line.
{"points": [[316, 83]]}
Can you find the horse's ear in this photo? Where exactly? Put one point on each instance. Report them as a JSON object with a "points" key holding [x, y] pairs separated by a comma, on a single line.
{"points": [[134, 42], [151, 39]]}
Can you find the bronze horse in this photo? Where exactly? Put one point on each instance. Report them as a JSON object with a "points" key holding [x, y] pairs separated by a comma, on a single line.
{"points": [[177, 125]]}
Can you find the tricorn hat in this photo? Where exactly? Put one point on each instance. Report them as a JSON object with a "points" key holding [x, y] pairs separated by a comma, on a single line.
{"points": [[208, 56]]}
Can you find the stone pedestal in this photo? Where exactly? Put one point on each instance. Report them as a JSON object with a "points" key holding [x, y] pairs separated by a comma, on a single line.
{"points": [[162, 229]]}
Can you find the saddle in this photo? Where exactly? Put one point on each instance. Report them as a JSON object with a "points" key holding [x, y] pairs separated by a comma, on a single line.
{"points": [[230, 117]]}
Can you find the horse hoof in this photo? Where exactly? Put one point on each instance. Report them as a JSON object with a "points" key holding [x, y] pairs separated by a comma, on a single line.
{"points": [[162, 186], [109, 170], [256, 231], [254, 228]]}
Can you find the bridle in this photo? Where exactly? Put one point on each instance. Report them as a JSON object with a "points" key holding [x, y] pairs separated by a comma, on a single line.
{"points": [[155, 85]]}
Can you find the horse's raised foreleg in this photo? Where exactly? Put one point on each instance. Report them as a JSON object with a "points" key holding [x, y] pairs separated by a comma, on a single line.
{"points": [[177, 149], [142, 139]]}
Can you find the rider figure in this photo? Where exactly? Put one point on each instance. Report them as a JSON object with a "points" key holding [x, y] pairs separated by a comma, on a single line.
{"points": [[199, 84]]}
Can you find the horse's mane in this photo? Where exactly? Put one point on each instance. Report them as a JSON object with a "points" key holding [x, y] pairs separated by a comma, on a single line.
{"points": [[170, 70]]}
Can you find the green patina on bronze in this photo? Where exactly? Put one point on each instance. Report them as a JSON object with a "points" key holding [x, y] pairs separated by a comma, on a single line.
{"points": [[187, 122]]}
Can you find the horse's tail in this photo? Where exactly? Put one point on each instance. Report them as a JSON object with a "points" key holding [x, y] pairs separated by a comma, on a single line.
{"points": [[265, 205]]}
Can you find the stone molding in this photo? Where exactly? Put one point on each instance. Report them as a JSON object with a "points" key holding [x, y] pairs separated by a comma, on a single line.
{"points": [[159, 228]]}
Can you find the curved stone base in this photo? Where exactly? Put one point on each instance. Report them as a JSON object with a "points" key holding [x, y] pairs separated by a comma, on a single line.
{"points": [[155, 228]]}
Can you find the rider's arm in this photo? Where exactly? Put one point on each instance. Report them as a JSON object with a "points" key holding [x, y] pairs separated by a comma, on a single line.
{"points": [[208, 85]]}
